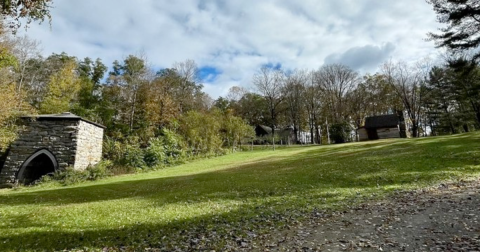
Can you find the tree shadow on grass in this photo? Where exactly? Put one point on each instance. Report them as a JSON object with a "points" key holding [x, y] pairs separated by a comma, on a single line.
{"points": [[268, 189]]}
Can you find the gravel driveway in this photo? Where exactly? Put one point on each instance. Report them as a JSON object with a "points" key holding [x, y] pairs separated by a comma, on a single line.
{"points": [[445, 218]]}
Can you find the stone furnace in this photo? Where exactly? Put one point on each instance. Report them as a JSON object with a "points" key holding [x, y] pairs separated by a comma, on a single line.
{"points": [[49, 143]]}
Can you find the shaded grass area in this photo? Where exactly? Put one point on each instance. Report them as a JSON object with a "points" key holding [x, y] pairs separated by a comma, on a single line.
{"points": [[218, 201]]}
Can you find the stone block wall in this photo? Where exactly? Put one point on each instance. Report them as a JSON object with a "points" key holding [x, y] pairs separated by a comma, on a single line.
{"points": [[58, 137], [89, 145], [73, 142]]}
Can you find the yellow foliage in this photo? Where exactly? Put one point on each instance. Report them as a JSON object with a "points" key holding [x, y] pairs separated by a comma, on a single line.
{"points": [[63, 90], [12, 105], [160, 109]]}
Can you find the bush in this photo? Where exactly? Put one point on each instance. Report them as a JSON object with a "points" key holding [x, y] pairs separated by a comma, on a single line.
{"points": [[127, 153], [132, 155], [70, 176], [155, 153], [121, 169], [340, 132], [112, 149], [100, 170], [174, 147], [167, 149]]}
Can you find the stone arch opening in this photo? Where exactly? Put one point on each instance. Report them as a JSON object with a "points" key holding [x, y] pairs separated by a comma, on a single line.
{"points": [[41, 163]]}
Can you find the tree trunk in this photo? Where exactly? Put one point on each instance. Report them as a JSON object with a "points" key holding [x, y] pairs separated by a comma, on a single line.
{"points": [[295, 133], [328, 132], [312, 140], [132, 115], [477, 114], [318, 136], [273, 138], [476, 109], [414, 130]]}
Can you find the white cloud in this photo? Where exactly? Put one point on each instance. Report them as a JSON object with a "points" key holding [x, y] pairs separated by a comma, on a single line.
{"points": [[237, 37], [364, 59]]}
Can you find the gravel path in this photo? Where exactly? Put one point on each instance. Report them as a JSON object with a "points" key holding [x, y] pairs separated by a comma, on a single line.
{"points": [[438, 219]]}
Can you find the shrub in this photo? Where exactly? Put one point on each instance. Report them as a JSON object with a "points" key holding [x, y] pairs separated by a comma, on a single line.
{"points": [[121, 169], [340, 132], [132, 155], [201, 132], [155, 153], [127, 153], [100, 170], [174, 147], [70, 176], [112, 149]]}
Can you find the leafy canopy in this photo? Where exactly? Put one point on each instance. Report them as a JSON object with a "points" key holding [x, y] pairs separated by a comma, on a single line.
{"points": [[462, 18], [31, 10]]}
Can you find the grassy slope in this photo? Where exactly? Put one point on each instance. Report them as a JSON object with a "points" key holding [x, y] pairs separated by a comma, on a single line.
{"points": [[229, 195]]}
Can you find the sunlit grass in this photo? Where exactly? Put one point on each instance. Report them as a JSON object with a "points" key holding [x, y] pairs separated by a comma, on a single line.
{"points": [[229, 194]]}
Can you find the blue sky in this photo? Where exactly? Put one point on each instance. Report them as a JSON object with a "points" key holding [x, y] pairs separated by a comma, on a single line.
{"points": [[231, 40]]}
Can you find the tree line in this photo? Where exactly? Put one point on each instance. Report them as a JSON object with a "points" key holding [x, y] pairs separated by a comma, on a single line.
{"points": [[139, 107], [334, 100], [167, 111], [329, 103]]}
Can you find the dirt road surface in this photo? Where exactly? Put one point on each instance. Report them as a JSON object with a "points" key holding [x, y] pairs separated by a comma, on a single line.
{"points": [[444, 218]]}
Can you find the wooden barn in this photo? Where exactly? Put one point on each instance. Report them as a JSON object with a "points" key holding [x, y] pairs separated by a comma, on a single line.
{"points": [[283, 136], [262, 131], [383, 127]]}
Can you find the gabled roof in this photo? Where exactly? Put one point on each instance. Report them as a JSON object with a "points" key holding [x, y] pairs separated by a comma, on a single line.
{"points": [[265, 128], [62, 116], [382, 121]]}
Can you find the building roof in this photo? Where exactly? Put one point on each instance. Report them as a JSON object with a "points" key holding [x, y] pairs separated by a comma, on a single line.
{"points": [[382, 121], [262, 130], [266, 128], [62, 116]]}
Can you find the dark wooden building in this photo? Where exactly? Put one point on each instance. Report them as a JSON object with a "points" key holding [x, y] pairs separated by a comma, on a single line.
{"points": [[382, 127], [283, 136]]}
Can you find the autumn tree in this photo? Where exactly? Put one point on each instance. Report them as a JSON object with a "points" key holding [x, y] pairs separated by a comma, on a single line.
{"points": [[129, 76], [313, 104], [222, 104], [234, 129], [24, 50], [159, 106], [294, 92], [407, 82], [89, 99], [62, 90], [12, 105], [29, 10], [269, 83], [37, 74], [185, 86], [202, 132], [358, 100], [335, 81], [12, 100], [252, 107], [236, 93]]}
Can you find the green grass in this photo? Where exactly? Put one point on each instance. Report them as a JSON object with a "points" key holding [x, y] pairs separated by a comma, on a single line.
{"points": [[224, 198]]}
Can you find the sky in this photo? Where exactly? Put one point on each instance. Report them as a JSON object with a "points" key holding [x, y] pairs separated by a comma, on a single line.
{"points": [[231, 40]]}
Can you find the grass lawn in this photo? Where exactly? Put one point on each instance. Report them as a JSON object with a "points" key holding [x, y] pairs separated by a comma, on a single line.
{"points": [[217, 201]]}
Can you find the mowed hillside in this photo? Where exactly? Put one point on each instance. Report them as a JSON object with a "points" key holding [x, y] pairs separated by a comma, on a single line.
{"points": [[215, 202]]}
